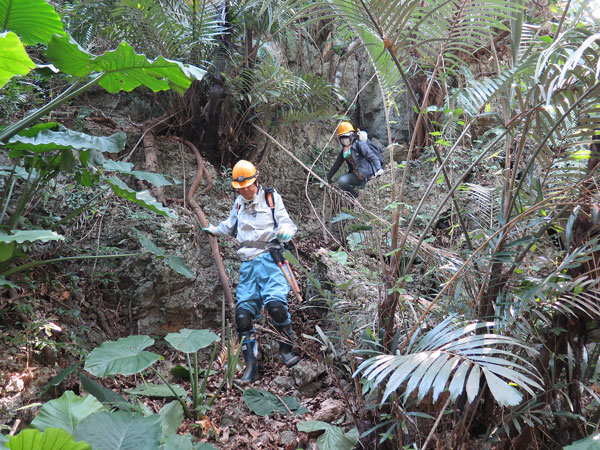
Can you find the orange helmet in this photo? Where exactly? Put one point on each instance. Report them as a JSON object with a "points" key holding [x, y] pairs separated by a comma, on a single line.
{"points": [[344, 128], [244, 174]]}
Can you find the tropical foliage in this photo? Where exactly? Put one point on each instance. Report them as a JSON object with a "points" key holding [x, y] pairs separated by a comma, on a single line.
{"points": [[520, 278], [40, 153], [93, 422], [543, 105]]}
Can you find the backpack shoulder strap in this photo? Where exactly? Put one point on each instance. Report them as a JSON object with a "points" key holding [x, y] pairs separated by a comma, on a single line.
{"points": [[356, 147], [235, 225], [271, 202]]}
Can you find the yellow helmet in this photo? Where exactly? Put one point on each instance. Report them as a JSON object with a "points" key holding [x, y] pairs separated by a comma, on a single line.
{"points": [[344, 128], [244, 174]]}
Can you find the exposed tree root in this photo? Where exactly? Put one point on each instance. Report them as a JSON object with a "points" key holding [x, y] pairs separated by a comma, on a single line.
{"points": [[151, 165], [202, 219]]}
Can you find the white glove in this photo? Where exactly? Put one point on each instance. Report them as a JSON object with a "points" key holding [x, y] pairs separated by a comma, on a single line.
{"points": [[363, 136], [210, 229], [321, 185], [379, 172], [285, 233]]}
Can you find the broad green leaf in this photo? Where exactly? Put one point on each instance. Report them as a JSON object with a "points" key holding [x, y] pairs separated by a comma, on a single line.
{"points": [[68, 56], [342, 216], [178, 442], [51, 439], [125, 70], [117, 166], [60, 377], [122, 69], [190, 341], [143, 198], [102, 393], [310, 426], [333, 437], [204, 446], [35, 129], [125, 356], [264, 403], [47, 140], [149, 245], [120, 430], [156, 179], [6, 250], [13, 58], [589, 443], [157, 390], [66, 412], [171, 416], [20, 236], [34, 20], [177, 264]]}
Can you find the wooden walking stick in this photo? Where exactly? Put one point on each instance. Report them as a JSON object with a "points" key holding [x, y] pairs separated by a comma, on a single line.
{"points": [[277, 256]]}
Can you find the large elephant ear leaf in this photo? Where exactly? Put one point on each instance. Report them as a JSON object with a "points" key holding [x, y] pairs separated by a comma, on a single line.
{"points": [[34, 20], [190, 341], [125, 356], [142, 198], [13, 58], [121, 430], [47, 140], [51, 439], [66, 412], [122, 69], [125, 70], [68, 56]]}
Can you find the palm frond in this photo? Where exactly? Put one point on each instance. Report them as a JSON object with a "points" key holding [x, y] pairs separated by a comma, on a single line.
{"points": [[454, 29], [170, 30], [279, 97], [454, 357], [573, 58], [483, 203]]}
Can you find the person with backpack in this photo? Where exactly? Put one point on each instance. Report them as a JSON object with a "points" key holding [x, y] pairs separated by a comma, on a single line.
{"points": [[364, 159], [260, 222]]}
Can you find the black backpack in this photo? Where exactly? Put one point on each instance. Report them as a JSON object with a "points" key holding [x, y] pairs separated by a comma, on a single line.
{"points": [[378, 150]]}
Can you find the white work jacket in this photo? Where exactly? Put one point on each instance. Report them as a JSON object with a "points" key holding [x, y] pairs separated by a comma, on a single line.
{"points": [[255, 223]]}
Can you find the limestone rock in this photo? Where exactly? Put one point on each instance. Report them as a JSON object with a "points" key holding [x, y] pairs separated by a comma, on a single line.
{"points": [[287, 438], [331, 409], [306, 372]]}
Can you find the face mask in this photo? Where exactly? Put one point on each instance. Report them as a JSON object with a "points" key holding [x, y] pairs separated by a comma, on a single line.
{"points": [[345, 141]]}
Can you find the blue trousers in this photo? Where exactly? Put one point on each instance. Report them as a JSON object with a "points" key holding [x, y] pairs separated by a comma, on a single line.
{"points": [[261, 282], [349, 181]]}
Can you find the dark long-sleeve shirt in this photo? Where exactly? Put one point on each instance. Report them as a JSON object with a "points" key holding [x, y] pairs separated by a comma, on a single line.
{"points": [[366, 161]]}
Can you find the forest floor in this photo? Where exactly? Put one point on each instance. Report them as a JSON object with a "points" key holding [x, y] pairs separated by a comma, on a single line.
{"points": [[45, 330]]}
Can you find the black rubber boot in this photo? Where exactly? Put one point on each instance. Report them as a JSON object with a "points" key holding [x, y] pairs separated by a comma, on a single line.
{"points": [[250, 354], [286, 350]]}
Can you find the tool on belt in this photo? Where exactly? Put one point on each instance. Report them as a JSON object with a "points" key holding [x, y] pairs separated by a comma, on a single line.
{"points": [[276, 250]]}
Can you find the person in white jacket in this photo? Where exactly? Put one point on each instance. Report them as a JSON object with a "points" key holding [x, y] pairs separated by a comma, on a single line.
{"points": [[258, 227]]}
